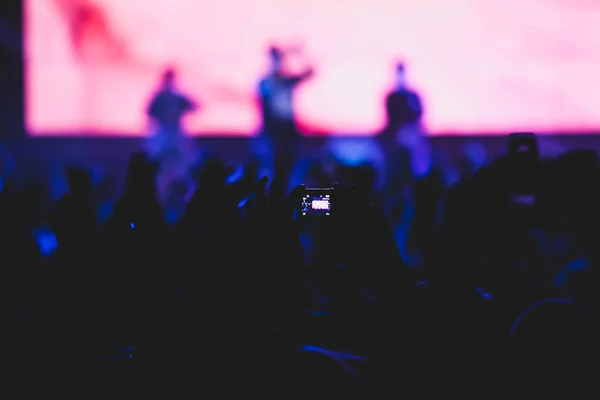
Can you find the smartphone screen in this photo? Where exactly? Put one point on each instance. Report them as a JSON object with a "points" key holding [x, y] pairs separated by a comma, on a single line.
{"points": [[316, 203]]}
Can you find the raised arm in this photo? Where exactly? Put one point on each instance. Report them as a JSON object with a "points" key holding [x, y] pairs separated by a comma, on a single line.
{"points": [[307, 74], [190, 104]]}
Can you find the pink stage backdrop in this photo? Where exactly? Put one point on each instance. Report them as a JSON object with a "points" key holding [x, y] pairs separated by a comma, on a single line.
{"points": [[480, 65]]}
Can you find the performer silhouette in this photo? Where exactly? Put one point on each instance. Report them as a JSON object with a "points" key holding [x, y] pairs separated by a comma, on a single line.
{"points": [[407, 149], [403, 106], [276, 94], [168, 144]]}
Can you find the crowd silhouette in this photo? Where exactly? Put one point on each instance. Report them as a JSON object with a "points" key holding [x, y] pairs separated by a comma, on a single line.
{"points": [[504, 294]]}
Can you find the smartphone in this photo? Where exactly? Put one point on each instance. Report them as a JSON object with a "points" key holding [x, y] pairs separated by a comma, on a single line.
{"points": [[316, 202]]}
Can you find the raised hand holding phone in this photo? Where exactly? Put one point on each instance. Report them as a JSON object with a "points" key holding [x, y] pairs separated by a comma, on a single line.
{"points": [[316, 202]]}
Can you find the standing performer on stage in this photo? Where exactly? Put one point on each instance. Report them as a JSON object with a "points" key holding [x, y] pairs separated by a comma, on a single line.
{"points": [[168, 144], [403, 135], [403, 106], [276, 94]]}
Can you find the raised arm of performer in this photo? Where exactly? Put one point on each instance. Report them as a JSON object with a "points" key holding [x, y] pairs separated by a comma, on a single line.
{"points": [[295, 79], [308, 72], [276, 89]]}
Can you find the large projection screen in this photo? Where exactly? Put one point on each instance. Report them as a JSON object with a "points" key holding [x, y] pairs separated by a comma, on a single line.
{"points": [[481, 66]]}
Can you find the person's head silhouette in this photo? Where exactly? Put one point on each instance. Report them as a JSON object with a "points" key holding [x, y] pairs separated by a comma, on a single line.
{"points": [[276, 58], [400, 75], [168, 78]]}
